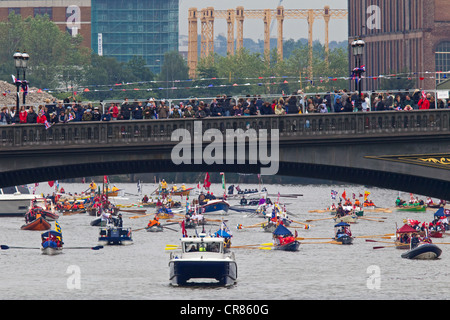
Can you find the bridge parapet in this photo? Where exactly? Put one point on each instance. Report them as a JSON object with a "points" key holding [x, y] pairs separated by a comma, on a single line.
{"points": [[304, 126]]}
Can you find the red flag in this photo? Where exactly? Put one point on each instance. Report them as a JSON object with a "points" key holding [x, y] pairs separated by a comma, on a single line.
{"points": [[51, 183], [207, 183], [344, 195], [105, 179]]}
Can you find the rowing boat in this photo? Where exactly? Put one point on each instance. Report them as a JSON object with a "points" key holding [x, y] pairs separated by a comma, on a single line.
{"points": [[38, 224], [425, 251], [347, 219], [418, 208]]}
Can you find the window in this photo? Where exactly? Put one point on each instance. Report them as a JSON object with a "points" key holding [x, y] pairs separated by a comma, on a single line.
{"points": [[15, 10], [44, 11], [443, 57]]}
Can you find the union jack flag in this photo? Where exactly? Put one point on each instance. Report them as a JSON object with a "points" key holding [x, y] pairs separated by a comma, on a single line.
{"points": [[47, 124], [333, 194]]}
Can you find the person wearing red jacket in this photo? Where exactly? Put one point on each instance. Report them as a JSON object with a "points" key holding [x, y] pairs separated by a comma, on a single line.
{"points": [[424, 103], [41, 117], [23, 115]]}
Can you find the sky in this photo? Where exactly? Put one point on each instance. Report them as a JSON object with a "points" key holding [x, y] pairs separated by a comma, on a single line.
{"points": [[254, 28]]}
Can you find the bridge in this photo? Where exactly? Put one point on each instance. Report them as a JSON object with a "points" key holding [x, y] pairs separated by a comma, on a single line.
{"points": [[407, 151]]}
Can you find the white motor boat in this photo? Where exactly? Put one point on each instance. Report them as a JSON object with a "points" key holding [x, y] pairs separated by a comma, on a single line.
{"points": [[203, 258], [15, 201]]}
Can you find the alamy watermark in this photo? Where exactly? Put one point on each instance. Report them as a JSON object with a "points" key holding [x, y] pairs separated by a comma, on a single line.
{"points": [[221, 147], [374, 19]]}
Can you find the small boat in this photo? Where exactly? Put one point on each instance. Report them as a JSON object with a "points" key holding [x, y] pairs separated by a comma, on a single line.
{"points": [[424, 251], [155, 228], [351, 218], [203, 258], [284, 239], [111, 235], [15, 201], [403, 237], [269, 226], [215, 207], [51, 242], [180, 192], [343, 233], [415, 208], [39, 223]]}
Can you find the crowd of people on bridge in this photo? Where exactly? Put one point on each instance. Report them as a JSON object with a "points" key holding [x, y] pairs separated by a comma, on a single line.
{"points": [[63, 111]]}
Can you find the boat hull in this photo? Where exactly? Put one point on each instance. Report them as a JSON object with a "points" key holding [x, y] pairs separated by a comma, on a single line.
{"points": [[292, 246], [14, 207], [39, 224], [413, 208], [216, 208], [115, 237], [51, 251], [347, 219], [224, 271], [344, 239], [155, 229], [427, 251]]}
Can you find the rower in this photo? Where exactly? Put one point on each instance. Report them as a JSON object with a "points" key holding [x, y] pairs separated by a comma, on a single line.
{"points": [[163, 185], [153, 222]]}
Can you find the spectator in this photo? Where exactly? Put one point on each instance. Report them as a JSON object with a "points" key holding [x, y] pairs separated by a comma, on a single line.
{"points": [[379, 104], [5, 117], [87, 116], [266, 109], [113, 111], [106, 116], [96, 116], [31, 116], [175, 113], [23, 115], [41, 118], [189, 112], [424, 102], [137, 111], [163, 110]]}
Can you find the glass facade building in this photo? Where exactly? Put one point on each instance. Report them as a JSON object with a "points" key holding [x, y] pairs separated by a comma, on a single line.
{"points": [[126, 28]]}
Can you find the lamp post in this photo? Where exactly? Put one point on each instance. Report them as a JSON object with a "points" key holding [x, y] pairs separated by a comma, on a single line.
{"points": [[358, 51], [21, 63], [25, 58]]}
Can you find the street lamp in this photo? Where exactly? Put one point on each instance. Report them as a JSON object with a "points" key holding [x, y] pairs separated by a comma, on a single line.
{"points": [[358, 51], [21, 63]]}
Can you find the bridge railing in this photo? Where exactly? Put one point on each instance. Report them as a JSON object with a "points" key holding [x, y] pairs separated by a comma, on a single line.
{"points": [[290, 126]]}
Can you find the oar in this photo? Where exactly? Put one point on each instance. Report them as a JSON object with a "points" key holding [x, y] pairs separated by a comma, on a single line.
{"points": [[5, 247], [376, 235], [301, 238], [169, 228], [370, 240], [363, 218], [172, 248], [305, 224], [133, 211], [319, 219], [375, 217], [92, 248], [330, 242], [141, 216], [397, 245]]}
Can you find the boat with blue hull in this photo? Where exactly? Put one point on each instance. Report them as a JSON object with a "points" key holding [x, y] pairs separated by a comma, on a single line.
{"points": [[215, 207], [203, 258], [115, 236], [424, 251], [284, 239]]}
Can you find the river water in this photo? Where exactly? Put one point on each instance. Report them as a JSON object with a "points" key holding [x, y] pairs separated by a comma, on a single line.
{"points": [[141, 271]]}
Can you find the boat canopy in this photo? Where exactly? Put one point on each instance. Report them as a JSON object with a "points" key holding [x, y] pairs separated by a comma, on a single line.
{"points": [[342, 224], [51, 232], [440, 212], [406, 229], [222, 233], [282, 231]]}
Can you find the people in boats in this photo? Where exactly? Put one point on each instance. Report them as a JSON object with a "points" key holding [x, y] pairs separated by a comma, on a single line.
{"points": [[340, 211], [174, 188], [202, 199], [163, 185], [92, 186], [415, 241], [145, 199], [243, 201], [183, 187], [118, 222], [154, 222]]}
